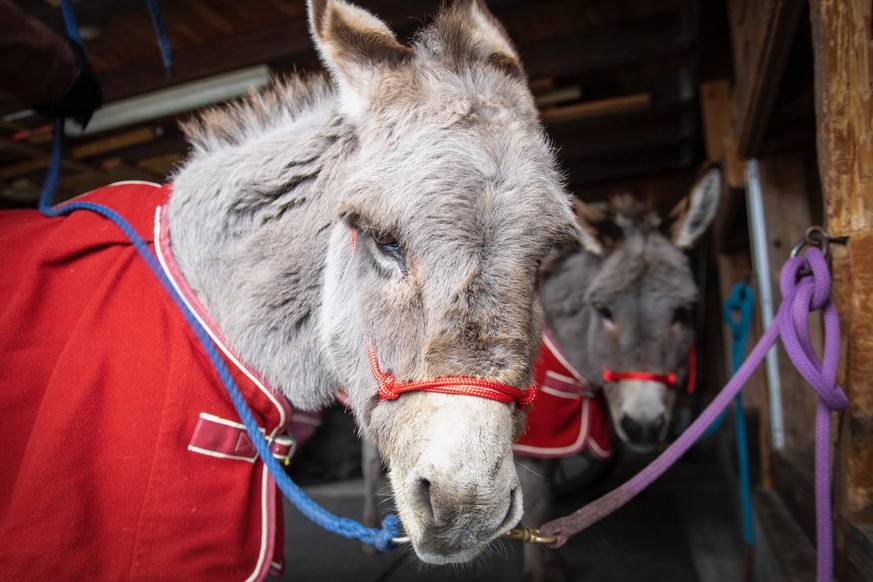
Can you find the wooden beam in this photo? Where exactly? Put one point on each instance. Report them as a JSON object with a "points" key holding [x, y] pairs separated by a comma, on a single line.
{"points": [[763, 32], [113, 143], [25, 167], [843, 53], [635, 39], [647, 37], [627, 164], [615, 105], [28, 150], [786, 201], [720, 145], [161, 165], [664, 130], [281, 39]]}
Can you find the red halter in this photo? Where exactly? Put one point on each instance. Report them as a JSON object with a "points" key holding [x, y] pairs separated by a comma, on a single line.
{"points": [[668, 379], [391, 389]]}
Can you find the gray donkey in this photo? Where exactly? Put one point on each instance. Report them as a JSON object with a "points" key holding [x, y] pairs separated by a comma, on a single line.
{"points": [[388, 219], [406, 207], [623, 303]]}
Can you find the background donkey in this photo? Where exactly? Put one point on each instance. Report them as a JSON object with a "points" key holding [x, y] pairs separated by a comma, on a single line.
{"points": [[624, 301], [388, 208]]}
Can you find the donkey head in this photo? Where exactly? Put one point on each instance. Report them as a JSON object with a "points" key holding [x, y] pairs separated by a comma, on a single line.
{"points": [[642, 295], [449, 201]]}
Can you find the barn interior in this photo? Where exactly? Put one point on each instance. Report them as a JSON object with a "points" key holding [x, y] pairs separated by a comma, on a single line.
{"points": [[637, 96]]}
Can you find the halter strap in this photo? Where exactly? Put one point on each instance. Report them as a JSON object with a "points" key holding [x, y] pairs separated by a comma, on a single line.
{"points": [[669, 379], [391, 389]]}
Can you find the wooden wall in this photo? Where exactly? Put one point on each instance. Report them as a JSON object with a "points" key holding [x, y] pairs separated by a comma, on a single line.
{"points": [[843, 51]]}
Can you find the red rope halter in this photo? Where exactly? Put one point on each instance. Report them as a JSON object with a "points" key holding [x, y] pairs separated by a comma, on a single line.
{"points": [[391, 389], [667, 379]]}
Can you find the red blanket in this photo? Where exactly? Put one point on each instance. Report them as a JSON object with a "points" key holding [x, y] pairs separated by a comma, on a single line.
{"points": [[567, 416], [123, 457]]}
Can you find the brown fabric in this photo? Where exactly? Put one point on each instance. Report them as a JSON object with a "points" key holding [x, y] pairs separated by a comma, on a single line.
{"points": [[36, 65]]}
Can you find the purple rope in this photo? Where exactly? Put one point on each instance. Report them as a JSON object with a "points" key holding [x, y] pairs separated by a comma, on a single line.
{"points": [[805, 286]]}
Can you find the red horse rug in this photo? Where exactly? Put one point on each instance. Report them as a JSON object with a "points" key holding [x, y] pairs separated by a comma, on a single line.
{"points": [[123, 457]]}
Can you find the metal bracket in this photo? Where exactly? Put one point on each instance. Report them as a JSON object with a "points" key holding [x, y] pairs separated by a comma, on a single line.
{"points": [[817, 236]]}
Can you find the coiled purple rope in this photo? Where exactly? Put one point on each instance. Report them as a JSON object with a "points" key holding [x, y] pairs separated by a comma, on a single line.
{"points": [[805, 285]]}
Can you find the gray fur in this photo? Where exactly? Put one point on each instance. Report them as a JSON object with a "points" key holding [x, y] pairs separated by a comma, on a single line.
{"points": [[441, 148]]}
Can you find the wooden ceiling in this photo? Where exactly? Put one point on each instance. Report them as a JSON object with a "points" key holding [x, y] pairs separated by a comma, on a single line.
{"points": [[617, 79]]}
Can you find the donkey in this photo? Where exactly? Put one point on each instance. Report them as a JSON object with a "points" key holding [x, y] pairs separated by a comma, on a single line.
{"points": [[389, 218], [623, 302]]}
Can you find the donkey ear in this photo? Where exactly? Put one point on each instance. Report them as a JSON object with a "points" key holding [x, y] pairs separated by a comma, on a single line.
{"points": [[598, 231], [695, 212], [469, 30], [354, 46]]}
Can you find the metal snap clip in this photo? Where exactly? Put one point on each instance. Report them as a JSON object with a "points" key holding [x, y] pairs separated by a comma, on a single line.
{"points": [[529, 536]]}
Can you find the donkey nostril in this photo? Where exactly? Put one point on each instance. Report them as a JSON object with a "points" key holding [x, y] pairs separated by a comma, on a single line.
{"points": [[632, 428], [643, 432], [423, 493]]}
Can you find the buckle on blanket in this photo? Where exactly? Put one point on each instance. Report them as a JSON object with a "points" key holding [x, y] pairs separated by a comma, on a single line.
{"points": [[227, 439], [283, 447]]}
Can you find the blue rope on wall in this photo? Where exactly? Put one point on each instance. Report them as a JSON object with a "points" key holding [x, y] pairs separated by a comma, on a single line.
{"points": [[738, 312]]}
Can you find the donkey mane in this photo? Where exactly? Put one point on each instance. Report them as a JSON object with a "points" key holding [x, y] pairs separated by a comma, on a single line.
{"points": [[234, 123]]}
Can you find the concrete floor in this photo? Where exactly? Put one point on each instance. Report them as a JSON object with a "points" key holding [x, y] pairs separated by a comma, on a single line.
{"points": [[681, 530]]}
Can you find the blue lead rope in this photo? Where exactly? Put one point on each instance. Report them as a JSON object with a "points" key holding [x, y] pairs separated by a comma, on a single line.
{"points": [[738, 311], [348, 528], [161, 34], [381, 539]]}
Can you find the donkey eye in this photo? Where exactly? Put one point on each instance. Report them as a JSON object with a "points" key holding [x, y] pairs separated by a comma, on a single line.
{"points": [[604, 312], [388, 246], [682, 315], [385, 239]]}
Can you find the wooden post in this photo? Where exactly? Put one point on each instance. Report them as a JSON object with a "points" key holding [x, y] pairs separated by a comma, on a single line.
{"points": [[843, 54], [733, 262], [786, 208]]}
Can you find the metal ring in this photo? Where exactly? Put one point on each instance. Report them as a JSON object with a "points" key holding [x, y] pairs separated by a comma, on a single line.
{"points": [[815, 236]]}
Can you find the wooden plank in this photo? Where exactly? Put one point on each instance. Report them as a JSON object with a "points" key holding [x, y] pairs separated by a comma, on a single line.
{"points": [[647, 37], [23, 168], [763, 32], [161, 165], [786, 551], [281, 39], [627, 164], [717, 132], [35, 152], [788, 214], [644, 38], [843, 57], [615, 105], [733, 260], [861, 552], [113, 143], [793, 475]]}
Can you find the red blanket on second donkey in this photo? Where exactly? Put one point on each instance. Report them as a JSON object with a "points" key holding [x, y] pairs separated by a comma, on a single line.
{"points": [[568, 416]]}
